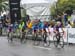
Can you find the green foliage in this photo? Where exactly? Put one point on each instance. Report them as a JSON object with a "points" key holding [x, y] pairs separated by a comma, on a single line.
{"points": [[23, 12], [3, 5], [62, 6]]}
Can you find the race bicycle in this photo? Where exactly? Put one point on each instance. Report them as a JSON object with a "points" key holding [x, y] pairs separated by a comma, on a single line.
{"points": [[58, 39]]}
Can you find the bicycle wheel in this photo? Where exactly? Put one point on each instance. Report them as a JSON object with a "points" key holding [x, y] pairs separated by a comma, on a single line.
{"points": [[0, 31], [23, 39], [46, 40], [10, 37], [35, 39], [55, 41], [61, 43]]}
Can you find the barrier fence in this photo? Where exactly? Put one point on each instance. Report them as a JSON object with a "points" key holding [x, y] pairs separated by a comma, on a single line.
{"points": [[69, 35], [65, 37]]}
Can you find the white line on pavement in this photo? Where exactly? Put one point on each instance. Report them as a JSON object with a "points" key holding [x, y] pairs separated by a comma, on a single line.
{"points": [[42, 47]]}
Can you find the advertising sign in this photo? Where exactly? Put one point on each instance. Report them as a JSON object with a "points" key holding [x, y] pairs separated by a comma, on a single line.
{"points": [[71, 35], [15, 13]]}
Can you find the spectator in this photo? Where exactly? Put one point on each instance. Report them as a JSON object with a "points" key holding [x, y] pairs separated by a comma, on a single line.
{"points": [[0, 16], [4, 16], [65, 19], [52, 23], [74, 24], [7, 21], [59, 18], [27, 18], [69, 25]]}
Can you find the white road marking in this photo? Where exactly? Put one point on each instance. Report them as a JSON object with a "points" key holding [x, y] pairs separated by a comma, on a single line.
{"points": [[42, 47]]}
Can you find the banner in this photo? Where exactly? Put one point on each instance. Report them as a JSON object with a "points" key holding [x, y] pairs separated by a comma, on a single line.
{"points": [[71, 35]]}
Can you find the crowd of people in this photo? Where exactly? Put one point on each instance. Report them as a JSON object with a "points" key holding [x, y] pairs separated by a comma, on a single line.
{"points": [[55, 25], [60, 21], [66, 20]]}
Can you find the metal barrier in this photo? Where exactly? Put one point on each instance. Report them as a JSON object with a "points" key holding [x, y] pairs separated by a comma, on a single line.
{"points": [[4, 31], [69, 34], [65, 37]]}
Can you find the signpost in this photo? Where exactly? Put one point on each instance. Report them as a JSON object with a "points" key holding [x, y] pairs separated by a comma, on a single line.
{"points": [[15, 12]]}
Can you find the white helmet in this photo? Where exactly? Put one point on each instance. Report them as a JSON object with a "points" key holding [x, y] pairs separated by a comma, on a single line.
{"points": [[58, 22]]}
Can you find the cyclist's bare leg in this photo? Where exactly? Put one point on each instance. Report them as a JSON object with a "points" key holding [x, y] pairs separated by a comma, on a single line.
{"points": [[58, 37]]}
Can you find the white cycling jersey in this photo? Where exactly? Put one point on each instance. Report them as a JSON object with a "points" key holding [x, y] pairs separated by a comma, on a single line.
{"points": [[51, 29], [60, 30], [47, 30]]}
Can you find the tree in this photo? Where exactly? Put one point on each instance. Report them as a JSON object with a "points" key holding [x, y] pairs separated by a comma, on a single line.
{"points": [[23, 12], [64, 5], [3, 5]]}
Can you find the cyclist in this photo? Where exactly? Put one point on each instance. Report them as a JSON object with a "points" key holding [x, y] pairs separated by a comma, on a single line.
{"points": [[46, 25], [58, 30], [35, 29], [51, 25], [35, 26], [15, 26], [22, 30], [10, 27], [69, 25], [21, 25], [45, 30], [29, 26], [41, 25]]}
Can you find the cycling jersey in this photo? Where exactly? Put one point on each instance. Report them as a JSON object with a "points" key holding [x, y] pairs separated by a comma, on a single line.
{"points": [[51, 29], [45, 26], [35, 27], [58, 29], [15, 26], [21, 26], [29, 25], [41, 25], [0, 25], [10, 27]]}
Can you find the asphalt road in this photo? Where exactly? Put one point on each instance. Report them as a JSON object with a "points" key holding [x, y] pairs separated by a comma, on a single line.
{"points": [[28, 49]]}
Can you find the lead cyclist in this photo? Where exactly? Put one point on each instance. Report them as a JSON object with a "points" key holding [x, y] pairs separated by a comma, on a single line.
{"points": [[58, 30]]}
